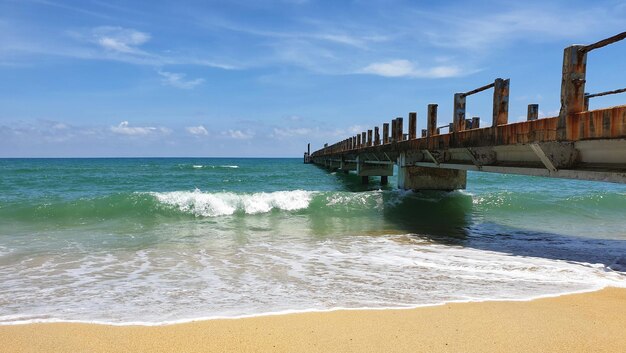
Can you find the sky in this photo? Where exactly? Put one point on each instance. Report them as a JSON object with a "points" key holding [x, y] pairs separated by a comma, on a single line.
{"points": [[232, 78]]}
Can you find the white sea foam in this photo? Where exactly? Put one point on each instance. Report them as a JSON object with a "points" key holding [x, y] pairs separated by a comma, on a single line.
{"points": [[255, 275], [226, 203]]}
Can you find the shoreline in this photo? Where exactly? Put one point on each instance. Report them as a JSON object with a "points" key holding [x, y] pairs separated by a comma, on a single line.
{"points": [[582, 322], [292, 312]]}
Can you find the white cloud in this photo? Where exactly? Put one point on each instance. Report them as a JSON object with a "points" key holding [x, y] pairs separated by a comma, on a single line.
{"points": [[405, 68], [239, 135], [178, 80], [124, 128], [197, 130], [291, 132], [118, 39]]}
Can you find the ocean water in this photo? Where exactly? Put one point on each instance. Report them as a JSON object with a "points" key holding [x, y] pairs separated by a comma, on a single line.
{"points": [[153, 241]]}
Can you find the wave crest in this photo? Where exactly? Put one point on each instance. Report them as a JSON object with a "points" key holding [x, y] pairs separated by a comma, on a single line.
{"points": [[227, 203]]}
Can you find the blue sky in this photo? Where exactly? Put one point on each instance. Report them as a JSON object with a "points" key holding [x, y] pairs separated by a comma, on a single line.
{"points": [[263, 78]]}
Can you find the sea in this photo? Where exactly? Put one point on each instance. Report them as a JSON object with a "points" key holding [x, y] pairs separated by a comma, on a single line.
{"points": [[152, 241]]}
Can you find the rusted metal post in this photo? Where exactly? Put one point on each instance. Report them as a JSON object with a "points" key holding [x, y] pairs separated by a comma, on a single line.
{"points": [[364, 138], [572, 86], [432, 120], [468, 124], [458, 119], [399, 125], [412, 126], [475, 122], [394, 130], [385, 133], [533, 112], [424, 132], [500, 102], [376, 136], [369, 138], [358, 141]]}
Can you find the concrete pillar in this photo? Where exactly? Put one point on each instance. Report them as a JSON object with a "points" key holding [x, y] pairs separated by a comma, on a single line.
{"points": [[424, 178], [364, 138], [385, 133], [533, 112], [347, 166], [432, 120], [412, 126], [358, 141], [399, 133], [475, 122], [572, 86], [500, 102], [458, 119], [424, 132], [369, 138], [376, 136], [367, 169], [394, 130]]}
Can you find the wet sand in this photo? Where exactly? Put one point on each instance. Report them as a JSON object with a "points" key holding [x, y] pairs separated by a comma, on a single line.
{"points": [[589, 322]]}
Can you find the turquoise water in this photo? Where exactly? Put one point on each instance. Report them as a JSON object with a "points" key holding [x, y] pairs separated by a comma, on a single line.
{"points": [[163, 240]]}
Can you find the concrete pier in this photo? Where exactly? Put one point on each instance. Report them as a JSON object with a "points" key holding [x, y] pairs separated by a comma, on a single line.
{"points": [[576, 144]]}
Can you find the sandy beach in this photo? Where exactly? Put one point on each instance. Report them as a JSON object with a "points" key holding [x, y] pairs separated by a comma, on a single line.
{"points": [[589, 322]]}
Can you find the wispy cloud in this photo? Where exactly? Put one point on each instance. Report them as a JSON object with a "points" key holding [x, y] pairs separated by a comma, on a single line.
{"points": [[118, 39], [530, 22], [405, 68], [124, 128], [178, 80], [239, 134], [291, 132], [197, 130]]}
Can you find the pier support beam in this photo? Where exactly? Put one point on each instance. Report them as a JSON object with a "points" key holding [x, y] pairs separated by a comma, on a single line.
{"points": [[572, 86], [432, 120], [384, 180], [364, 169], [385, 133], [411, 177], [533, 112], [500, 102], [458, 121], [412, 126], [424, 178], [347, 166]]}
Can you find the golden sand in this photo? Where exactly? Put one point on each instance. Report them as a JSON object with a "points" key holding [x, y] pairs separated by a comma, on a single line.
{"points": [[590, 322]]}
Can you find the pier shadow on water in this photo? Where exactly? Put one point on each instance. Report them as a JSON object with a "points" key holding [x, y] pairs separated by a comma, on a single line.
{"points": [[453, 221], [451, 218]]}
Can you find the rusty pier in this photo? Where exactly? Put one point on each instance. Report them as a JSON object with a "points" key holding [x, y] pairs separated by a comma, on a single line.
{"points": [[576, 144]]}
